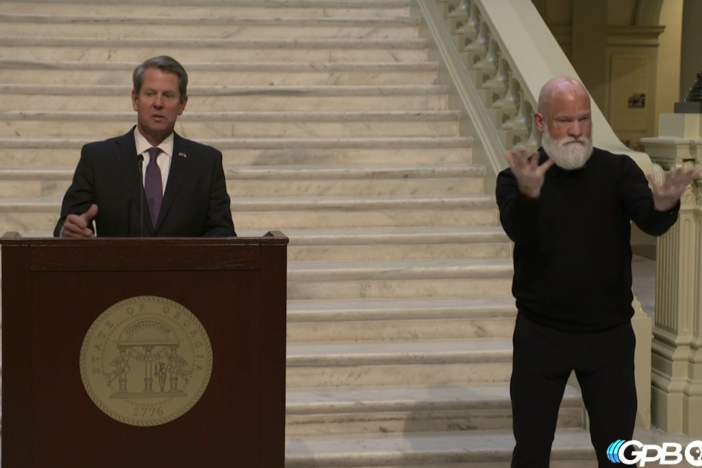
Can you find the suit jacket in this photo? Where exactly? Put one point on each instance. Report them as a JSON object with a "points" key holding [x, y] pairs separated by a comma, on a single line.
{"points": [[195, 203]]}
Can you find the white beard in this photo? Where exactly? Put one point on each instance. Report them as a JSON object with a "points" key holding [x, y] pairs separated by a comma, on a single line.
{"points": [[568, 153]]}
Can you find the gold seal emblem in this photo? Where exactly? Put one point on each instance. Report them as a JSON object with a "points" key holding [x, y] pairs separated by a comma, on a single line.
{"points": [[146, 361]]}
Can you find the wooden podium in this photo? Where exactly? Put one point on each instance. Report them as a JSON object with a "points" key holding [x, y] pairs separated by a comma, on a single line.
{"points": [[54, 290]]}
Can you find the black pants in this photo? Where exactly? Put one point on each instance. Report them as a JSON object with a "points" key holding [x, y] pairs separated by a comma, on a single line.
{"points": [[543, 360]]}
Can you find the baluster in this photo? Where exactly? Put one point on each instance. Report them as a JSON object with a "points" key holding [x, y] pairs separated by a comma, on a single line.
{"points": [[487, 67], [457, 18], [498, 83], [496, 87], [476, 50], [518, 128], [509, 106], [471, 27], [522, 128], [461, 11], [447, 6]]}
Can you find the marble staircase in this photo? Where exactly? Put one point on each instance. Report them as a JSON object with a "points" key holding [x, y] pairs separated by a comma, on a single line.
{"points": [[335, 130]]}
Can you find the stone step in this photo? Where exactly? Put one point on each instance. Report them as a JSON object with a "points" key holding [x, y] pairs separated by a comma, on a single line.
{"points": [[117, 98], [221, 27], [285, 181], [366, 152], [327, 124], [416, 243], [231, 74], [465, 409], [393, 319], [572, 448], [266, 214], [393, 364], [466, 278], [214, 8], [270, 181], [342, 245], [209, 50]]}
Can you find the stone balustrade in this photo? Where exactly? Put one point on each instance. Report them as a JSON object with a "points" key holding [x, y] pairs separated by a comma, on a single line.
{"points": [[677, 345]]}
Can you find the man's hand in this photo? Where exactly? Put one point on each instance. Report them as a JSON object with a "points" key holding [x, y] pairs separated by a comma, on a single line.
{"points": [[77, 225], [525, 166], [668, 187]]}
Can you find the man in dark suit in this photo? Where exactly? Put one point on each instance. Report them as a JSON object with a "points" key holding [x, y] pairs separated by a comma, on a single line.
{"points": [[179, 183]]}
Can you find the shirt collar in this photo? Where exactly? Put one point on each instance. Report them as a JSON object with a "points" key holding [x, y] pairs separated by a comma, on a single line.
{"points": [[142, 145]]}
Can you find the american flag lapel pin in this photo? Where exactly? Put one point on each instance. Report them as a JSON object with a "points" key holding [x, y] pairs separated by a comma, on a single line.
{"points": [[182, 155]]}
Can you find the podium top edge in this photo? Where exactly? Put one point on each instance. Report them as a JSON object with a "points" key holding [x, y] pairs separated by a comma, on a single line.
{"points": [[270, 238]]}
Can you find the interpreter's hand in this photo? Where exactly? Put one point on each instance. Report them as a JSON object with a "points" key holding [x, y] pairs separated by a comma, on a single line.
{"points": [[526, 168], [668, 187], [77, 225]]}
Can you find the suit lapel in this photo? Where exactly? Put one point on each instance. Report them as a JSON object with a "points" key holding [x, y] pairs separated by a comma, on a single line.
{"points": [[176, 176], [126, 156]]}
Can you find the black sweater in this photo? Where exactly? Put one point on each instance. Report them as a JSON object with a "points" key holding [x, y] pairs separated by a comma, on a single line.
{"points": [[572, 253]]}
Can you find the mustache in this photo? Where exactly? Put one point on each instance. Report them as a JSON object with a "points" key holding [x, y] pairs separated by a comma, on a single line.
{"points": [[570, 140]]}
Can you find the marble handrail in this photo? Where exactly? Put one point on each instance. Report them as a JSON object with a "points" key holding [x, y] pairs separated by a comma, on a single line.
{"points": [[501, 53]]}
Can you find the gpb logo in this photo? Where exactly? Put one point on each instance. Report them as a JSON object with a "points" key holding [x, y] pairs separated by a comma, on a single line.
{"points": [[670, 453]]}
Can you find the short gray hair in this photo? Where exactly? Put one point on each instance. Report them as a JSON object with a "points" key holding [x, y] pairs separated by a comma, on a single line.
{"points": [[165, 64]]}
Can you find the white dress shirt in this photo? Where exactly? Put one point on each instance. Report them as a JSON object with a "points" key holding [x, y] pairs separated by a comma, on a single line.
{"points": [[163, 160]]}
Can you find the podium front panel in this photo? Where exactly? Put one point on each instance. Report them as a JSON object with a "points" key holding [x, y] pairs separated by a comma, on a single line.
{"points": [[59, 302]]}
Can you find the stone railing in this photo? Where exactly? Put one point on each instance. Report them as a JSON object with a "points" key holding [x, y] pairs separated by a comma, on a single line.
{"points": [[495, 55], [677, 344]]}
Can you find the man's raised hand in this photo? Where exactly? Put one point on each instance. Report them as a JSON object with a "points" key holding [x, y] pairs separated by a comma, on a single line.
{"points": [[529, 174], [668, 187]]}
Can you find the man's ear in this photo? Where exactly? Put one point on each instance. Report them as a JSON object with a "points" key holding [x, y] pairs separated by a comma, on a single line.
{"points": [[539, 121], [181, 106]]}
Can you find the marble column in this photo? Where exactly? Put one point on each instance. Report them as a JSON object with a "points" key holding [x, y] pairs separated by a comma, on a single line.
{"points": [[676, 359]]}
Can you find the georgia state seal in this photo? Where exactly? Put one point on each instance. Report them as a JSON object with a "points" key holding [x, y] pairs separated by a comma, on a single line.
{"points": [[146, 361]]}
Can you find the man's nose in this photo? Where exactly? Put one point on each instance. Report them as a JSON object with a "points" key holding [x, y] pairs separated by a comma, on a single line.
{"points": [[575, 130], [159, 101]]}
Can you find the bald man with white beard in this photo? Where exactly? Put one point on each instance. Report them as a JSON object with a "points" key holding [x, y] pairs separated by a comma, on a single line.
{"points": [[568, 209]]}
